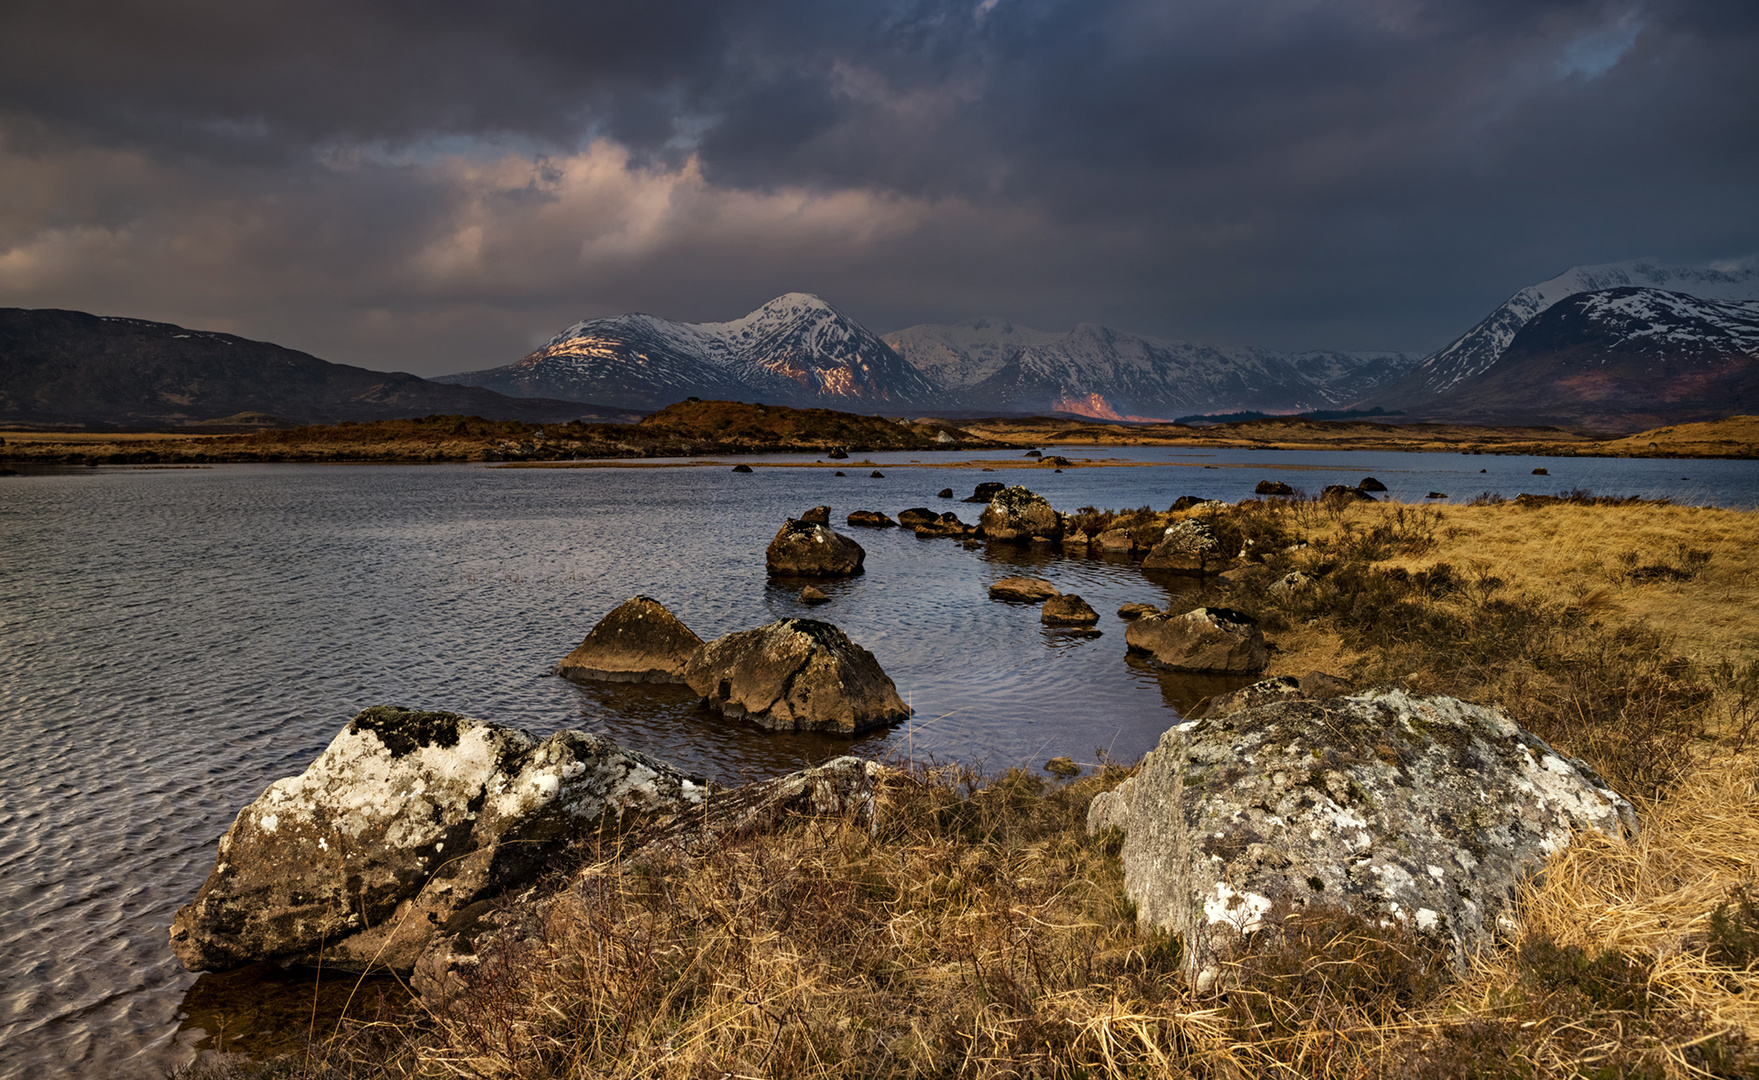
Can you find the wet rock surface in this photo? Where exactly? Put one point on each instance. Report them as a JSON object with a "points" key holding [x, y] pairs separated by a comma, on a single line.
{"points": [[1067, 610], [804, 549], [1016, 515], [1211, 639], [1425, 811], [407, 824], [871, 519], [947, 524], [1128, 612], [795, 675], [1027, 590], [1186, 547], [818, 515], [916, 515], [639, 641]]}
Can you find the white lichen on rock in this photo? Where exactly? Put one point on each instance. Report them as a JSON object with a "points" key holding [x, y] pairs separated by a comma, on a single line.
{"points": [[1421, 811]]}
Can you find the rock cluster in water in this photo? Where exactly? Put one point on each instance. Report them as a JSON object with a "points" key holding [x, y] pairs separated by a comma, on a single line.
{"points": [[1425, 811]]}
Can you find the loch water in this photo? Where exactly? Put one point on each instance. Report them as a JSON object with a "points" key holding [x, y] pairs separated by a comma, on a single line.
{"points": [[172, 640]]}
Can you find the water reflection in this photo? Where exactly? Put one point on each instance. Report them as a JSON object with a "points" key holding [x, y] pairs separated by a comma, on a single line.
{"points": [[265, 1010]]}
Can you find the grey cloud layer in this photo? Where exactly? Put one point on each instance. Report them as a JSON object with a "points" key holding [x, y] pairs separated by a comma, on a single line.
{"points": [[430, 186]]}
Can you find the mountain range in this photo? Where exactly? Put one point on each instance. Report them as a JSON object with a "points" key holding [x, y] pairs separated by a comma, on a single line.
{"points": [[68, 367], [1475, 375], [798, 350]]}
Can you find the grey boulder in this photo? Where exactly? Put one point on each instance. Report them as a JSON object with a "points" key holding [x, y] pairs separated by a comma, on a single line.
{"points": [[639, 641], [406, 825], [1427, 812], [1186, 547], [805, 549], [1016, 515], [795, 675], [1212, 639]]}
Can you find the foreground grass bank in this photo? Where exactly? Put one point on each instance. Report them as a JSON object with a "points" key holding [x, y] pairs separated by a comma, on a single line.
{"points": [[972, 928]]}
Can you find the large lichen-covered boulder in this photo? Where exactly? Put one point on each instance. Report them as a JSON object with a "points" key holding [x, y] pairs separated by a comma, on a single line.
{"points": [[1212, 639], [639, 641], [807, 549], [1425, 811], [1186, 547], [407, 824], [795, 675], [1016, 515]]}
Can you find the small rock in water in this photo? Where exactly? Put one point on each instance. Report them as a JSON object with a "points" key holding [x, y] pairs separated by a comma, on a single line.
{"points": [[840, 472], [871, 519], [812, 594], [1062, 767], [818, 515], [1028, 590], [741, 468], [1273, 487], [1067, 610], [639, 641], [1369, 483], [1541, 472], [945, 493], [803, 549], [1211, 639], [1128, 612], [877, 475], [795, 675], [1436, 495], [986, 491], [1017, 515]]}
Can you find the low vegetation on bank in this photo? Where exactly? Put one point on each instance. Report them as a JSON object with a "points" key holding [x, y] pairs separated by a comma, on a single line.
{"points": [[972, 928], [695, 428]]}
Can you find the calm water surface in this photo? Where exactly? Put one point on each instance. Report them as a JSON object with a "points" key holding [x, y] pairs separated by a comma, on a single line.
{"points": [[172, 641]]}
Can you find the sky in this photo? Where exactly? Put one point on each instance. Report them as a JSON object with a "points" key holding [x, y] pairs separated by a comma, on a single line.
{"points": [[440, 186]]}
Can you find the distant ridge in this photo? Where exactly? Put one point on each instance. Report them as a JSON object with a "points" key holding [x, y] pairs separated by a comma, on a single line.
{"points": [[795, 350], [72, 368], [1443, 385]]}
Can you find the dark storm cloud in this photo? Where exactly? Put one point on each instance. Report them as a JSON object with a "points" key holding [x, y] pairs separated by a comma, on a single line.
{"points": [[431, 185]]}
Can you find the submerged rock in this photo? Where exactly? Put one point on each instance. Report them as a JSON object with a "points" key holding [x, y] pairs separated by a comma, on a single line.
{"points": [[1212, 639], [1424, 811], [639, 641], [812, 594], [795, 675], [803, 549], [1016, 515], [408, 822], [1028, 590]]}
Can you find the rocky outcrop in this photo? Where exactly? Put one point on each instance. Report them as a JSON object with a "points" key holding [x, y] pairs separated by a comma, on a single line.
{"points": [[795, 675], [407, 823], [871, 519], [639, 641], [1026, 590], [802, 549], [1067, 610], [985, 491], [1423, 811], [1211, 639], [1016, 515], [1186, 547]]}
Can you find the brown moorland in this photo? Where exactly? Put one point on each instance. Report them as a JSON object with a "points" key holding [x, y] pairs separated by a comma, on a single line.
{"points": [[694, 428], [972, 928]]}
